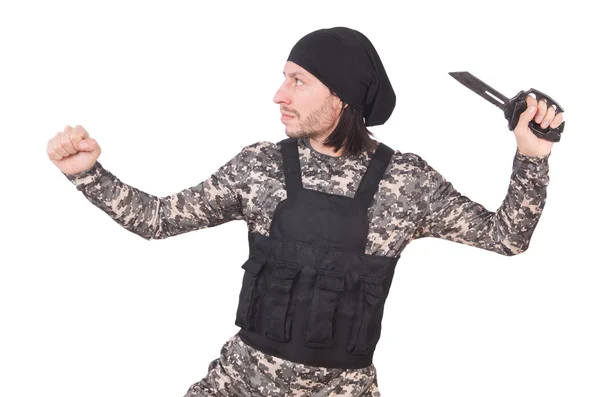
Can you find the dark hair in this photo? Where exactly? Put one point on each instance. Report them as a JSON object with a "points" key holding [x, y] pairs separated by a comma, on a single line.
{"points": [[350, 132]]}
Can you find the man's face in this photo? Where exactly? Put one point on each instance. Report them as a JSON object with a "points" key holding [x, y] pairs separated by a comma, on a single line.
{"points": [[308, 108]]}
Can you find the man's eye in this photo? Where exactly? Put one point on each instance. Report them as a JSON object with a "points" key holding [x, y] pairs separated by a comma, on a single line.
{"points": [[297, 79]]}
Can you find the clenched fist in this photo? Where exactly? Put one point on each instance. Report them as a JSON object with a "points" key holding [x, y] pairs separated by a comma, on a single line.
{"points": [[527, 142], [72, 150]]}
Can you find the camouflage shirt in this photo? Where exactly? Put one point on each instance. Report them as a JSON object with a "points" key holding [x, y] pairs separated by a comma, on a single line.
{"points": [[413, 200]]}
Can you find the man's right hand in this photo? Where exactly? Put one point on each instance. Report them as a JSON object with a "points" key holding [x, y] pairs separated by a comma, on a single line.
{"points": [[72, 150]]}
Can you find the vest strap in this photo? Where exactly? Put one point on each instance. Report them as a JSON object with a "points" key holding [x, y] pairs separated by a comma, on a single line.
{"points": [[370, 181], [291, 166]]}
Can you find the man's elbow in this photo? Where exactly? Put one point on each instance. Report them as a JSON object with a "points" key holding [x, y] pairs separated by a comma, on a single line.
{"points": [[512, 250]]}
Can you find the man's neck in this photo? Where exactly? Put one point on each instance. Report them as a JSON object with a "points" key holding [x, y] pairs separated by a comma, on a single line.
{"points": [[319, 147]]}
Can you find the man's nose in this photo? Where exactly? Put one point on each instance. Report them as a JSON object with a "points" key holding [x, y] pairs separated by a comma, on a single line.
{"points": [[281, 96]]}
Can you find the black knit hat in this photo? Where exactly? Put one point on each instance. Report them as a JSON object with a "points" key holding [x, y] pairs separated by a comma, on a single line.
{"points": [[346, 62]]}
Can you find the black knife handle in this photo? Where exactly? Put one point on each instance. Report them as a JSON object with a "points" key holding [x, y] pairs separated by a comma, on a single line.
{"points": [[518, 105]]}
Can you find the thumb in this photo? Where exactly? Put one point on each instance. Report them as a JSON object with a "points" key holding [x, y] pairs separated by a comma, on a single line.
{"points": [[87, 145]]}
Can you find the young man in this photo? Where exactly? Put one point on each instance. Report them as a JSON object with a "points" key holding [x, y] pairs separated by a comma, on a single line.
{"points": [[329, 211]]}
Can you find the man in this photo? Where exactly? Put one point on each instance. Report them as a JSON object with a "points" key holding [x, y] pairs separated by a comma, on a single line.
{"points": [[329, 211]]}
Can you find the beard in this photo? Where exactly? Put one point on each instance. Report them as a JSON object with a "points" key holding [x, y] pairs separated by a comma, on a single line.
{"points": [[304, 133], [317, 125]]}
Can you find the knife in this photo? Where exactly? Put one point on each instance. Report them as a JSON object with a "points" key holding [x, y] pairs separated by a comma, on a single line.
{"points": [[513, 107]]}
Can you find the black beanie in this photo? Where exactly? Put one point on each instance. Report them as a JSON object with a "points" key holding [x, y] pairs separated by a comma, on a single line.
{"points": [[346, 62]]}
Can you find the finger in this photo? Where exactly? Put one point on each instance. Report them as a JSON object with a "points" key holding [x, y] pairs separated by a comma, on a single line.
{"points": [[80, 132], [525, 118], [52, 155], [557, 120], [530, 100], [92, 146], [67, 143], [75, 136], [542, 106], [57, 146], [549, 117]]}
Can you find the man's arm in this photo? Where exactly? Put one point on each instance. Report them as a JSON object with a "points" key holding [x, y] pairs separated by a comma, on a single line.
{"points": [[210, 203], [507, 231]]}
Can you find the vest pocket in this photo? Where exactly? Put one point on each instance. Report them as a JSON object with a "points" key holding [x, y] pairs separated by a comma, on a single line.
{"points": [[319, 329], [278, 300], [369, 313], [250, 294]]}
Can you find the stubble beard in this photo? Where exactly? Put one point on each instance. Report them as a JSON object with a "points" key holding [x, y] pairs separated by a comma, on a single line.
{"points": [[308, 127]]}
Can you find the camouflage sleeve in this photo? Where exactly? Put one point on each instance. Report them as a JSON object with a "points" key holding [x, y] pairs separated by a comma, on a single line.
{"points": [[453, 216], [210, 203]]}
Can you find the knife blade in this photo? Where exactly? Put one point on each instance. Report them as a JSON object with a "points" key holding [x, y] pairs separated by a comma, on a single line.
{"points": [[513, 107]]}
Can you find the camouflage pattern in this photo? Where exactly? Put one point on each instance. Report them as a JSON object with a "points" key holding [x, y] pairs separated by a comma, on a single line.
{"points": [[244, 371], [414, 201]]}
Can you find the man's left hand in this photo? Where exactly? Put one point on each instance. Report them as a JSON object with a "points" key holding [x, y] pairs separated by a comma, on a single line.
{"points": [[527, 142]]}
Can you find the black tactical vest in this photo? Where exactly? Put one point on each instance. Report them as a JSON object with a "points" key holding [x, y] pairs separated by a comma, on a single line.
{"points": [[310, 294]]}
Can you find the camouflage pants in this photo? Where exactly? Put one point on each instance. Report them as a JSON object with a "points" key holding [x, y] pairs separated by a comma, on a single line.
{"points": [[241, 371]]}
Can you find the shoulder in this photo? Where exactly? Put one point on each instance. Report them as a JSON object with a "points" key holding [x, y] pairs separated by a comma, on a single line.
{"points": [[259, 147], [256, 150], [260, 154], [409, 168], [409, 174], [408, 162]]}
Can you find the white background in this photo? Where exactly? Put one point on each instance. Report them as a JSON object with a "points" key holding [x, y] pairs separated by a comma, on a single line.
{"points": [[173, 90]]}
